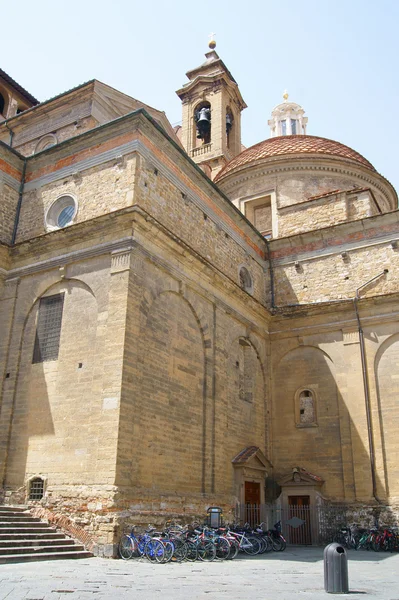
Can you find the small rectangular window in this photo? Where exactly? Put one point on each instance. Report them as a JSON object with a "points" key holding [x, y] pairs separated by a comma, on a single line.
{"points": [[48, 332], [284, 127], [293, 127]]}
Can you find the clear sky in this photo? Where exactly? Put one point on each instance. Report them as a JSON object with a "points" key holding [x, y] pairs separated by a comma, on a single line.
{"points": [[337, 58]]}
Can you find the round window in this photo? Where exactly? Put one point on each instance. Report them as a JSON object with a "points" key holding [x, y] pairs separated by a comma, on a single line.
{"points": [[61, 213]]}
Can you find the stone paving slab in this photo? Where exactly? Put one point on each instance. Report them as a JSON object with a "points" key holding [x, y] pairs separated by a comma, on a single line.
{"points": [[296, 573]]}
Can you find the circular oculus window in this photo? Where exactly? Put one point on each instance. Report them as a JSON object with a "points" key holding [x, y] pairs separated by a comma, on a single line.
{"points": [[61, 213]]}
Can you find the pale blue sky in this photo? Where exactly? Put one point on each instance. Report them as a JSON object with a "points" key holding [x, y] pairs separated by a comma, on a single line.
{"points": [[337, 58]]}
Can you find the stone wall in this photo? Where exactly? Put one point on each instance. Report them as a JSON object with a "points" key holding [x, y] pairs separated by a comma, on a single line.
{"points": [[332, 263], [320, 351]]}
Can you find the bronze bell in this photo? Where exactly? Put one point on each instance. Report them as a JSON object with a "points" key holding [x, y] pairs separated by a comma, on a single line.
{"points": [[203, 119], [229, 123]]}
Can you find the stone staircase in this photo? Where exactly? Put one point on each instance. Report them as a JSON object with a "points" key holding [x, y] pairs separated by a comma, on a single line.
{"points": [[26, 538]]}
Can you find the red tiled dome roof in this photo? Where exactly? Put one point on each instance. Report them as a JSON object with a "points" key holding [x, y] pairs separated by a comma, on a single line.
{"points": [[292, 144]]}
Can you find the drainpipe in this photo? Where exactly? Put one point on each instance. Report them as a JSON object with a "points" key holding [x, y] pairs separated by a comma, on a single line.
{"points": [[366, 386], [271, 274], [11, 133], [17, 213]]}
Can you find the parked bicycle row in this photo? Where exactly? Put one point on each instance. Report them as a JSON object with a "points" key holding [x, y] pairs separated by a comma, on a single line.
{"points": [[384, 539], [196, 542]]}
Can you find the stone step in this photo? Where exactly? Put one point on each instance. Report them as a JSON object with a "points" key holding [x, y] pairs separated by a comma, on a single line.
{"points": [[17, 518], [12, 509], [40, 549], [16, 558], [26, 538], [22, 523], [27, 530], [35, 535], [58, 541]]}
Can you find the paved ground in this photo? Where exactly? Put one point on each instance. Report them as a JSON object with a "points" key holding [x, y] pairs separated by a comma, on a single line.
{"points": [[296, 573]]}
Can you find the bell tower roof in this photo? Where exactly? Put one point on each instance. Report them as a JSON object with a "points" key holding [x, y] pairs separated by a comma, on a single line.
{"points": [[212, 70]]}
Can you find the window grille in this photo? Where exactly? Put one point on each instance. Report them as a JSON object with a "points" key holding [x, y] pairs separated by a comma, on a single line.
{"points": [[47, 341], [36, 489]]}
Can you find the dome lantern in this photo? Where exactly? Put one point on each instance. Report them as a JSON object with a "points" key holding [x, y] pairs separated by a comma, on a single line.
{"points": [[287, 119]]}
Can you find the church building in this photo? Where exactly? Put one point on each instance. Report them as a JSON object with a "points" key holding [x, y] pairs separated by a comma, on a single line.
{"points": [[189, 323]]}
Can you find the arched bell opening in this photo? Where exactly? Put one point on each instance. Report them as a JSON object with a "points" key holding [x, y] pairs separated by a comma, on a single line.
{"points": [[230, 129], [202, 120], [3, 104]]}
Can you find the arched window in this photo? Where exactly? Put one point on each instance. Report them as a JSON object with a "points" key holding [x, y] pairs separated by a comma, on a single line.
{"points": [[202, 118], [36, 488], [245, 280], [305, 407]]}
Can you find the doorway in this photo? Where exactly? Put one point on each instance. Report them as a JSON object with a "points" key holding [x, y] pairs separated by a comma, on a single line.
{"points": [[299, 510], [252, 502]]}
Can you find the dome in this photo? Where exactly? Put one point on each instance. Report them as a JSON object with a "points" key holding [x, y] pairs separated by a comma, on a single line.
{"points": [[292, 144]]}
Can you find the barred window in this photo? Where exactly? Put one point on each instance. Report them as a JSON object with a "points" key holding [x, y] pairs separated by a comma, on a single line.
{"points": [[48, 330], [36, 489]]}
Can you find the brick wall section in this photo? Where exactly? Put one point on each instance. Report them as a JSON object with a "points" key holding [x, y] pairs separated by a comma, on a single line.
{"points": [[10, 165], [98, 191], [324, 212], [333, 277], [66, 525], [63, 133]]}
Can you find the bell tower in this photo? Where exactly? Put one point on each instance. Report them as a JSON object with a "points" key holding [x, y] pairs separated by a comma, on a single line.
{"points": [[212, 105]]}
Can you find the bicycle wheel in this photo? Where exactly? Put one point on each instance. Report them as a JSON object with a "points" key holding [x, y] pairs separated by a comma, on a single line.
{"points": [[222, 548], [206, 550], [233, 550], [277, 544], [169, 549], [251, 545], [155, 551], [180, 550], [126, 547], [267, 540], [192, 552]]}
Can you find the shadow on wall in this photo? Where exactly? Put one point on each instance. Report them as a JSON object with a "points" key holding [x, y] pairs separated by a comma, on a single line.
{"points": [[53, 424]]}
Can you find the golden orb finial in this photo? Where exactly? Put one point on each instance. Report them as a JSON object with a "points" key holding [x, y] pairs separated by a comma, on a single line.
{"points": [[212, 42], [285, 95]]}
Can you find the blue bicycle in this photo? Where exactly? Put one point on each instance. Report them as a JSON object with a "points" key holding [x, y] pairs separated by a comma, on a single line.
{"points": [[144, 545]]}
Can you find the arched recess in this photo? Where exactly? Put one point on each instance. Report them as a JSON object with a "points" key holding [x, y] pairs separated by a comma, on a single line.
{"points": [[170, 418], [45, 142], [246, 393], [317, 448], [52, 425], [387, 386]]}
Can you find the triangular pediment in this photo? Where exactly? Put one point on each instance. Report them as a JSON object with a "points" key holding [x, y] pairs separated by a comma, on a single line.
{"points": [[300, 476], [252, 457]]}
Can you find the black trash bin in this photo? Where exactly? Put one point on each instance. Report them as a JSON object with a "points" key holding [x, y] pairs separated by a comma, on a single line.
{"points": [[335, 569], [215, 515]]}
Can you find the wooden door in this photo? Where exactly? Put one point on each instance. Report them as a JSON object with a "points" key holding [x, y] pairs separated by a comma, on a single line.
{"points": [[252, 502], [299, 507]]}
